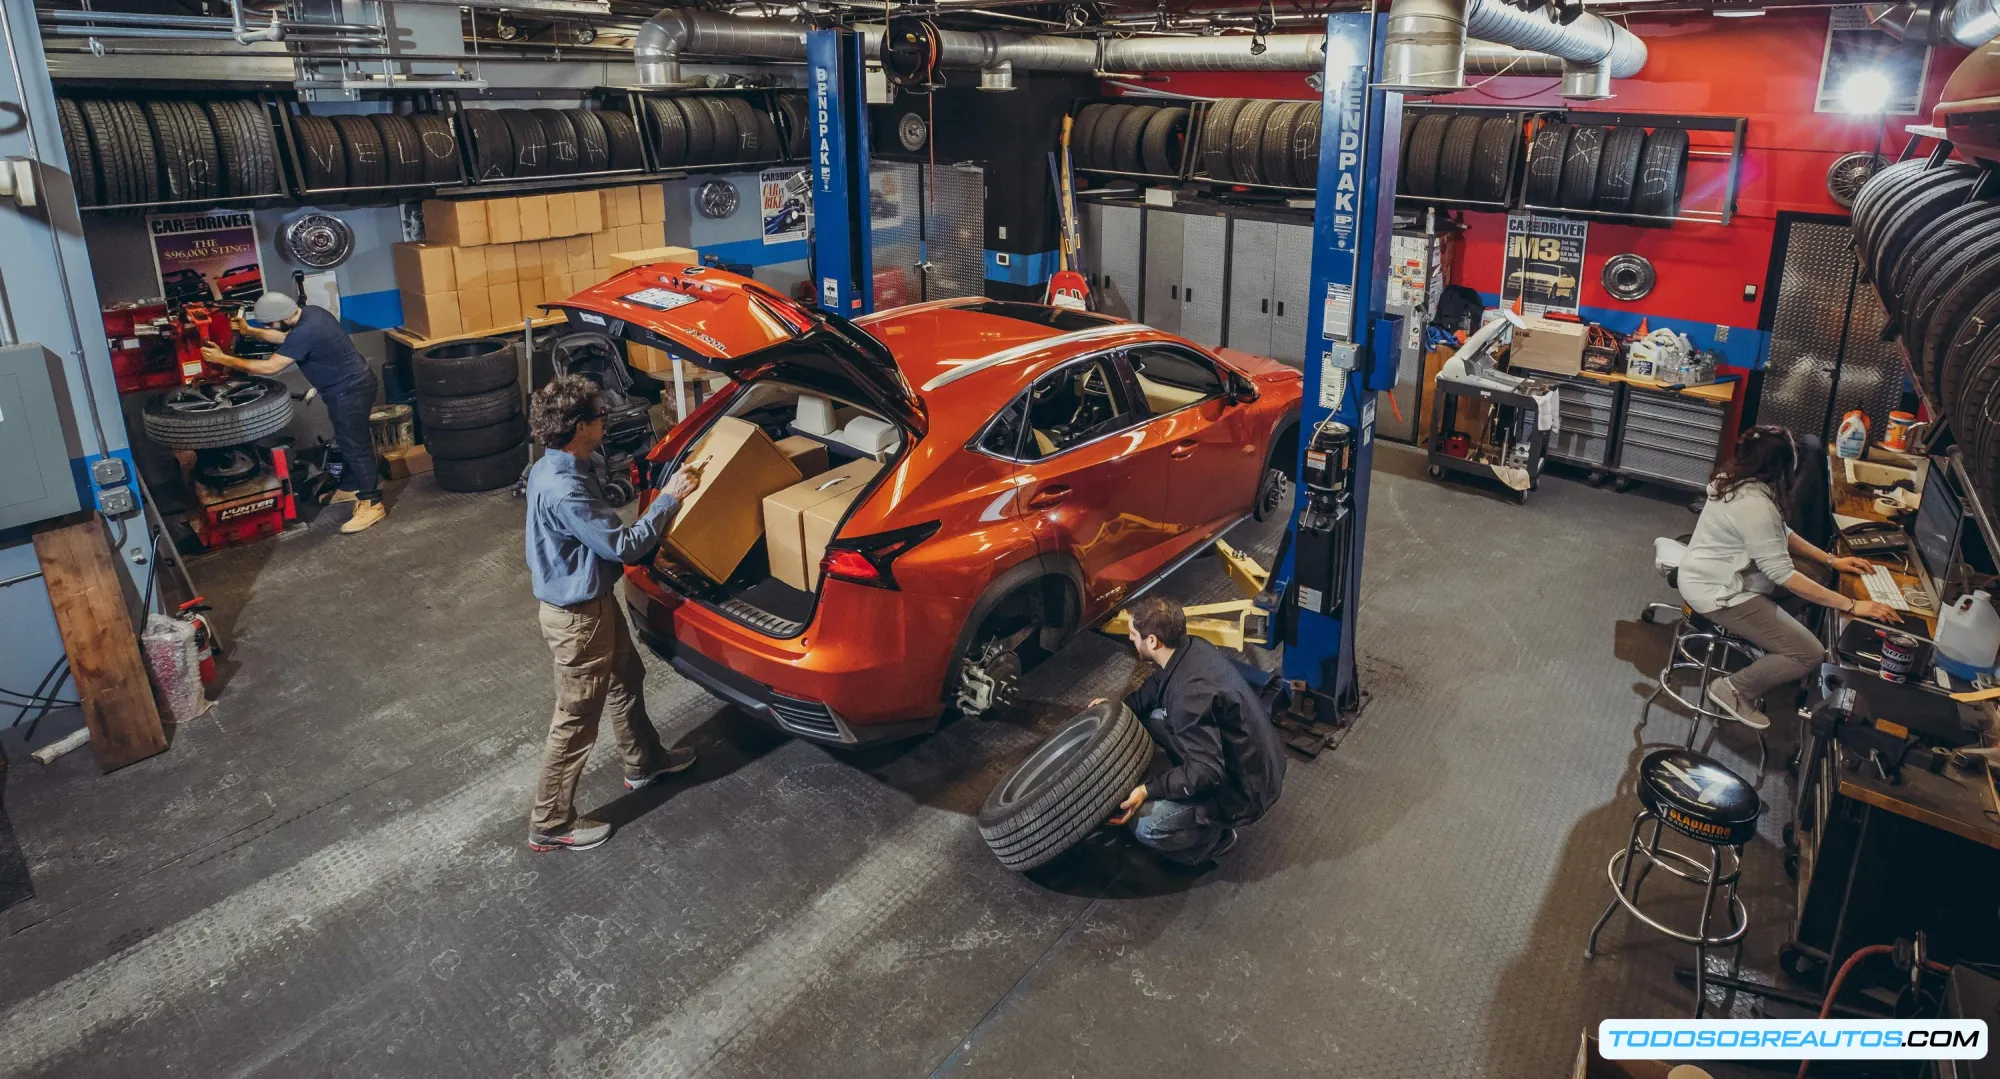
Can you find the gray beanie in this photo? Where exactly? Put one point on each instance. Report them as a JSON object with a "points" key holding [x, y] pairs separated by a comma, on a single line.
{"points": [[274, 307]]}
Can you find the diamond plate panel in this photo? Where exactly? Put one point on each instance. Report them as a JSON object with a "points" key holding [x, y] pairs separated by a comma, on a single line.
{"points": [[955, 231], [895, 229], [1805, 337]]}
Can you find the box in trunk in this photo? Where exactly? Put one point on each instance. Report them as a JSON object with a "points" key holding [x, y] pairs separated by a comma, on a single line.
{"points": [[794, 558], [723, 518]]}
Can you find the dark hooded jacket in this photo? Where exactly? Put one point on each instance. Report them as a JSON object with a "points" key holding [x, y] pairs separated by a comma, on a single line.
{"points": [[1218, 744]]}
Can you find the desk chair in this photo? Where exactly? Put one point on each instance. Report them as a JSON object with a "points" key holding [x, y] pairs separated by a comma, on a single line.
{"points": [[1702, 652]]}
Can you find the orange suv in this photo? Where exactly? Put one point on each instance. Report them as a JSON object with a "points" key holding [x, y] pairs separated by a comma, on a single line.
{"points": [[1040, 468]]}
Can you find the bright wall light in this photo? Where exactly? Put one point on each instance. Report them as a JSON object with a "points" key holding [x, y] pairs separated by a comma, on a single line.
{"points": [[1865, 91]]}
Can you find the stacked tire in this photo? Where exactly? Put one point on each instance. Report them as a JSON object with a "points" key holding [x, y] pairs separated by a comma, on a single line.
{"points": [[1145, 139], [1931, 251], [1615, 170], [469, 401], [375, 150], [722, 129], [125, 151], [1465, 157]]}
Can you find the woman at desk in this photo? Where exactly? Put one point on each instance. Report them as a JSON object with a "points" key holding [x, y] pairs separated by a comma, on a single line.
{"points": [[1741, 552]]}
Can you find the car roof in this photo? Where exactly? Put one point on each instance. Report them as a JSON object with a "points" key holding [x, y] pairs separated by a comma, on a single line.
{"points": [[994, 345]]}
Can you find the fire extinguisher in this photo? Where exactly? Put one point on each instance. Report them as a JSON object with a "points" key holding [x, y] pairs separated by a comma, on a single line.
{"points": [[195, 613]]}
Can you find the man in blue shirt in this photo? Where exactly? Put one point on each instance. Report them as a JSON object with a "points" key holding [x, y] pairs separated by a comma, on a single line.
{"points": [[577, 546], [311, 339]]}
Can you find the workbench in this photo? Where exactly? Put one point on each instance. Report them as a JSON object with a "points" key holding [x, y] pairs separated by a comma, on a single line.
{"points": [[1617, 425]]}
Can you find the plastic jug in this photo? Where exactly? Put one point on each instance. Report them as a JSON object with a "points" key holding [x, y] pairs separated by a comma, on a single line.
{"points": [[1852, 439], [1968, 635]]}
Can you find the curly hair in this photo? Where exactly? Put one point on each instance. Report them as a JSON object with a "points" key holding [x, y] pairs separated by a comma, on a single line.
{"points": [[1766, 454], [1159, 617], [560, 407]]}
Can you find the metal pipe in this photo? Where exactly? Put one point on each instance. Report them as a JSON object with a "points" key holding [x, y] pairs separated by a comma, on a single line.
{"points": [[1591, 39], [1970, 23], [194, 22], [208, 35]]}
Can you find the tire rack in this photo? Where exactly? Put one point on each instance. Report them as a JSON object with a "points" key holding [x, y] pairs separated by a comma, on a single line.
{"points": [[422, 101], [270, 105], [609, 99], [761, 98], [1190, 141], [1516, 179], [1735, 125]]}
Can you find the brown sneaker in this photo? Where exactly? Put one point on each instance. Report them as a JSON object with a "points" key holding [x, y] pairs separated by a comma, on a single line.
{"points": [[582, 834], [366, 515]]}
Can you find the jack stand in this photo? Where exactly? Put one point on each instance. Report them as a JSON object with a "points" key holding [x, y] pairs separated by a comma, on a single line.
{"points": [[1232, 623]]}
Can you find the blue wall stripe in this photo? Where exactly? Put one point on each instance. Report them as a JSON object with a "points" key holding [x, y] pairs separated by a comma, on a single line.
{"points": [[1021, 269], [372, 310], [1746, 348], [756, 252]]}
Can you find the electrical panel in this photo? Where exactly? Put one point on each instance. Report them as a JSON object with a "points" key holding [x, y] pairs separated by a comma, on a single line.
{"points": [[35, 479]]}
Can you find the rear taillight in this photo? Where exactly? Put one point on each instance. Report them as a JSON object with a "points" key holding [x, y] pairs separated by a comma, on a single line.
{"points": [[868, 559]]}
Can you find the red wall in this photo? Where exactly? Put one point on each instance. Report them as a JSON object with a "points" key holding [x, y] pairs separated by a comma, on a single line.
{"points": [[1764, 69]]}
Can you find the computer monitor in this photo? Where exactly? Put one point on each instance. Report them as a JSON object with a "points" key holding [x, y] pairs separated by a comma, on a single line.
{"points": [[1939, 520]]}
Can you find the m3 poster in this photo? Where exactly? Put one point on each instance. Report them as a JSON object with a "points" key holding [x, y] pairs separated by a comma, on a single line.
{"points": [[207, 256], [1544, 263]]}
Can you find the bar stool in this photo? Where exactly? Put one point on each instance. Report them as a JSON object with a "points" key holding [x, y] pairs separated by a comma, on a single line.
{"points": [[1702, 652], [1699, 798]]}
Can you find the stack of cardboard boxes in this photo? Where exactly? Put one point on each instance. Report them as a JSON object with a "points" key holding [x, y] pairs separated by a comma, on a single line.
{"points": [[488, 263]]}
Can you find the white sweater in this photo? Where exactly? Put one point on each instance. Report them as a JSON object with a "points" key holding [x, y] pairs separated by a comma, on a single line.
{"points": [[1739, 550]]}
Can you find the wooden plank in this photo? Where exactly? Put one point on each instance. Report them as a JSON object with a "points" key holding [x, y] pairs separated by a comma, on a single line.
{"points": [[413, 341], [91, 614]]}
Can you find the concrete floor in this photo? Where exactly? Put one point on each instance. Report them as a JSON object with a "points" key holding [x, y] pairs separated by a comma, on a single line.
{"points": [[326, 874]]}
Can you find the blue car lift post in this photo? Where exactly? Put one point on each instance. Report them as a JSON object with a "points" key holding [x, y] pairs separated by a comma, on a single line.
{"points": [[1351, 351], [839, 136]]}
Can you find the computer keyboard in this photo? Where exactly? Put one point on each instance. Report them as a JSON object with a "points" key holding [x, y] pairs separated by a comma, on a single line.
{"points": [[1882, 588]]}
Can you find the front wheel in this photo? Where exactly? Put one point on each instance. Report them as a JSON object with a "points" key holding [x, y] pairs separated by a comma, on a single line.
{"points": [[1274, 493], [1067, 787]]}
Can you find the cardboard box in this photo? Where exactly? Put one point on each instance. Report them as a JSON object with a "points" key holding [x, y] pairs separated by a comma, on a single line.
{"points": [[475, 310], [808, 455], [503, 221], [795, 558], [628, 206], [562, 214], [424, 268], [455, 222], [555, 287], [601, 247], [534, 216], [403, 464], [651, 360], [468, 265], [631, 238], [589, 213], [652, 203], [723, 518], [1548, 345], [531, 292], [625, 260], [580, 260], [504, 302], [501, 265], [431, 314], [528, 261]]}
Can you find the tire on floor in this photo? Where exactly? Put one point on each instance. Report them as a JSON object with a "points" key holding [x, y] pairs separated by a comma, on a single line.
{"points": [[1069, 786], [481, 473]]}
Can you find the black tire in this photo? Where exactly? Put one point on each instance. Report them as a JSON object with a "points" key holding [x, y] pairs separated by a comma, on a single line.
{"points": [[1879, 188], [1305, 147], [670, 138], [560, 137], [481, 473], [82, 159], [1081, 131], [446, 444], [623, 147], [1958, 343], [367, 160], [749, 144], [1973, 293], [700, 129], [244, 409], [1579, 178], [1461, 138], [1662, 173], [437, 148], [1273, 494], [126, 158], [1618, 168], [593, 147], [322, 156], [1922, 205], [192, 169], [1426, 147], [460, 368], [531, 147], [462, 413], [402, 149], [1067, 787], [249, 146], [793, 106], [1160, 141], [492, 141], [1246, 142], [1959, 234], [722, 122], [1545, 164], [1274, 154], [1409, 129], [1103, 149], [1125, 149], [1217, 128], [1493, 159]]}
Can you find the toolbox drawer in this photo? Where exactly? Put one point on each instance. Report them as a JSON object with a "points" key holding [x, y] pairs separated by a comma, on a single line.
{"points": [[1578, 413], [1685, 411], [1580, 446], [1669, 459]]}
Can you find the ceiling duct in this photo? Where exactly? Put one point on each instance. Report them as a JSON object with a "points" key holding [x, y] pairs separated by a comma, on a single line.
{"points": [[675, 33], [1428, 49], [1970, 23]]}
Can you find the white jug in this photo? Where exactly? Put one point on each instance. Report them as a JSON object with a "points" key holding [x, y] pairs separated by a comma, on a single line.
{"points": [[1968, 635]]}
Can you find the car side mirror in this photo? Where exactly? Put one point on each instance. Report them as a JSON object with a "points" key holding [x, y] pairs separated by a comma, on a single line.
{"points": [[1242, 391]]}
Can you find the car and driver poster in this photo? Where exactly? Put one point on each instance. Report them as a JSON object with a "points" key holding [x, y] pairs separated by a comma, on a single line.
{"points": [[207, 256], [1544, 263], [785, 198]]}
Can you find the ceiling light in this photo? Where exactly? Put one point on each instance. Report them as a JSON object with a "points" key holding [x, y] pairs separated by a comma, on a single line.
{"points": [[1865, 92]]}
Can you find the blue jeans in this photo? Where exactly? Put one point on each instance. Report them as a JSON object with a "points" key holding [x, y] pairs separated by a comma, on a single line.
{"points": [[1180, 831], [348, 408]]}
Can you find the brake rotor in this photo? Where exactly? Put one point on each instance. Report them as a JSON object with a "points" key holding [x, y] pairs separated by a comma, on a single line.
{"points": [[321, 241]]}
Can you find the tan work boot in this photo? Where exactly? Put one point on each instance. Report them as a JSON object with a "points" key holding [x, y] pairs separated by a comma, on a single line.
{"points": [[366, 514], [343, 496]]}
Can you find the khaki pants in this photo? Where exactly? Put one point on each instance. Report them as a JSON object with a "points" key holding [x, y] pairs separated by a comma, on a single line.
{"points": [[597, 670]]}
